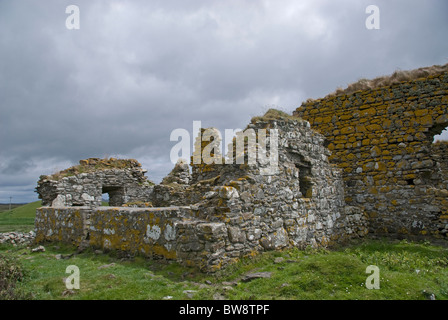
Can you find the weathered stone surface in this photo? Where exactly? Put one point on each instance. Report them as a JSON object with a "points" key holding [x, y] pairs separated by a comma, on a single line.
{"points": [[256, 275], [17, 238], [38, 249], [123, 180], [391, 167], [179, 175]]}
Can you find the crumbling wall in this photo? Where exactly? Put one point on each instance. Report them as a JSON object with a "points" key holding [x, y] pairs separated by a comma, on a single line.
{"points": [[222, 212], [439, 152], [275, 211], [85, 184], [173, 190], [382, 139]]}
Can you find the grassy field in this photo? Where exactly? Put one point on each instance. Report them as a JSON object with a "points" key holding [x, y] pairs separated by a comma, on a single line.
{"points": [[407, 271], [20, 218]]}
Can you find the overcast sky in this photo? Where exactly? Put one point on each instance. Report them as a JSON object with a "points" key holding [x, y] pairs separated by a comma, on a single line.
{"points": [[136, 70]]}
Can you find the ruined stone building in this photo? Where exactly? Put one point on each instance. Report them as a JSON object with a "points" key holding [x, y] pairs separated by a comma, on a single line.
{"points": [[84, 185], [352, 163]]}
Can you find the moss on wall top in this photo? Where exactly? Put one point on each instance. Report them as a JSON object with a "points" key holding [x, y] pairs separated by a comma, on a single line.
{"points": [[388, 80], [274, 114]]}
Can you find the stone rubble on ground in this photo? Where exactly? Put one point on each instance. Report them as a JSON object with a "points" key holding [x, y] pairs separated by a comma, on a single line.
{"points": [[256, 275], [17, 237], [38, 249]]}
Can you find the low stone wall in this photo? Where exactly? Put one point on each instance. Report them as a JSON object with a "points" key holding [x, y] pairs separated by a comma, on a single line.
{"points": [[170, 233], [176, 233], [149, 231], [65, 224]]}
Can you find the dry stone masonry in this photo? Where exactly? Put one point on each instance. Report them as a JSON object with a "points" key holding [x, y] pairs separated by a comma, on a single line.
{"points": [[347, 165], [382, 138], [84, 185]]}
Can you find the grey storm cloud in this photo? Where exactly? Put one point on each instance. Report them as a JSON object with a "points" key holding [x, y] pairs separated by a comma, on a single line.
{"points": [[137, 70]]}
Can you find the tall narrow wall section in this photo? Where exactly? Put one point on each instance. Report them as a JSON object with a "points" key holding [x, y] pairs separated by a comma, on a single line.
{"points": [[382, 138]]}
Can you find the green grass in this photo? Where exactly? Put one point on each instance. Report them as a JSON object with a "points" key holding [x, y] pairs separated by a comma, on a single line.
{"points": [[20, 218], [408, 271]]}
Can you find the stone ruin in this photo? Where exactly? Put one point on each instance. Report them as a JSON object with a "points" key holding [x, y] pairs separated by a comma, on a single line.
{"points": [[383, 139], [84, 185], [213, 216], [348, 164]]}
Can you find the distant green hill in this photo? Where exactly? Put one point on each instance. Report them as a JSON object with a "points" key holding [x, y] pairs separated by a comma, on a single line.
{"points": [[20, 218], [5, 206]]}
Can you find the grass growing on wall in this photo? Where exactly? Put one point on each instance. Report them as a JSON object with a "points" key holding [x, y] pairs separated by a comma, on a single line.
{"points": [[93, 165], [415, 271]]}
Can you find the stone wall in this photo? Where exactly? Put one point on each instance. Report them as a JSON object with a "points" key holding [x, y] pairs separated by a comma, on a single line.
{"points": [[171, 233], [382, 140], [84, 185], [222, 212], [67, 224], [301, 205]]}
